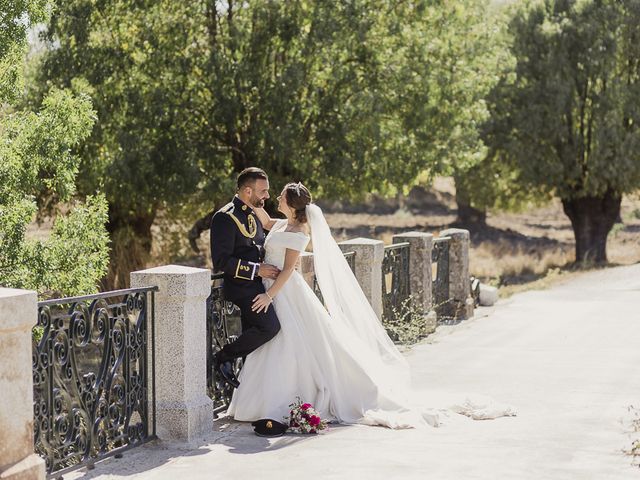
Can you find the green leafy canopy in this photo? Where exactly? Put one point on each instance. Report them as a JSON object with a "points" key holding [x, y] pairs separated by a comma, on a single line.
{"points": [[37, 163], [568, 118]]}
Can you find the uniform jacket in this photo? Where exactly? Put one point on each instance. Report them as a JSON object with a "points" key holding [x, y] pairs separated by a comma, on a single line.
{"points": [[237, 249]]}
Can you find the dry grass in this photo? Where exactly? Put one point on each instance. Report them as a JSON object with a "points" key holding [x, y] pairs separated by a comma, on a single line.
{"points": [[500, 262], [515, 251], [170, 244]]}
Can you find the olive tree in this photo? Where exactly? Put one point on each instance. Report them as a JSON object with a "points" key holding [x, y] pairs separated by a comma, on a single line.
{"points": [[566, 120]]}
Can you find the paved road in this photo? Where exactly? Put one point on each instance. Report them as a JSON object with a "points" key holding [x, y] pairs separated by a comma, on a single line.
{"points": [[567, 358]]}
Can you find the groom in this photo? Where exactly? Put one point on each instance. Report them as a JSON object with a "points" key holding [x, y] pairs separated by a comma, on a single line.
{"points": [[237, 249]]}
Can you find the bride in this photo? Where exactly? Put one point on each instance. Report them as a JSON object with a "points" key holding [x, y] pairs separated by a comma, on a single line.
{"points": [[336, 356]]}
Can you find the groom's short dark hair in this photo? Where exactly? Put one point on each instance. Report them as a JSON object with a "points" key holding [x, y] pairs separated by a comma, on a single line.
{"points": [[250, 175]]}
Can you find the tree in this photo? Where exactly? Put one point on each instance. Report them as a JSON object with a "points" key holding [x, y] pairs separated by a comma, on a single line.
{"points": [[37, 167], [566, 119], [138, 59], [476, 56], [477, 52], [350, 97]]}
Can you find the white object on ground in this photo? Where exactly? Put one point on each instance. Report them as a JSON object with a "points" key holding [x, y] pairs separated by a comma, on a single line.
{"points": [[481, 407], [488, 295]]}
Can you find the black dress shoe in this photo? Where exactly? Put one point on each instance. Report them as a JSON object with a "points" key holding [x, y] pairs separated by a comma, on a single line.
{"points": [[226, 372]]}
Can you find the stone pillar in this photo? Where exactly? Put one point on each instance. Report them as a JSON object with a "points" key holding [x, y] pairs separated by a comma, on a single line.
{"points": [[420, 277], [459, 280], [184, 411], [368, 261], [306, 267], [18, 315]]}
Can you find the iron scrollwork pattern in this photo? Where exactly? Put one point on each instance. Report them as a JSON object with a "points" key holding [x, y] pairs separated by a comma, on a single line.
{"points": [[440, 256], [395, 277], [90, 377], [223, 326]]}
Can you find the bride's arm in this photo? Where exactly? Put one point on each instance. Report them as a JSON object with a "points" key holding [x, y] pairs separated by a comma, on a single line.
{"points": [[266, 221], [263, 300]]}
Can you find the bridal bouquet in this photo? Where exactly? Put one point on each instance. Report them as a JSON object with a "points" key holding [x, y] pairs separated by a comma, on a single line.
{"points": [[303, 418]]}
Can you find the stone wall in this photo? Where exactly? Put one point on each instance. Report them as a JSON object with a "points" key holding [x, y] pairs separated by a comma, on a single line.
{"points": [[368, 270], [18, 315]]}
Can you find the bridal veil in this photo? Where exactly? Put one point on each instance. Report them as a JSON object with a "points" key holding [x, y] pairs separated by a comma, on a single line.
{"points": [[348, 305]]}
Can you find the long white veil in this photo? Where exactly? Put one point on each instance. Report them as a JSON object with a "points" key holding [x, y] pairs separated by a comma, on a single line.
{"points": [[349, 308], [347, 304]]}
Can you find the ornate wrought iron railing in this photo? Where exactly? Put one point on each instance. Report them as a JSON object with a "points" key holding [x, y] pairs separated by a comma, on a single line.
{"points": [[395, 277], [91, 377], [223, 326], [441, 301]]}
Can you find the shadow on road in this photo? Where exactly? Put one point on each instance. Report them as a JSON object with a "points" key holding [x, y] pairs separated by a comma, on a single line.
{"points": [[235, 437]]}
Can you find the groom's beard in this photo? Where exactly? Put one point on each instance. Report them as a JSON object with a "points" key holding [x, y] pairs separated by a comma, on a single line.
{"points": [[257, 202]]}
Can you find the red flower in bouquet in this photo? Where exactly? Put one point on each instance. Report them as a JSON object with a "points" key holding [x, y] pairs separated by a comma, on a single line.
{"points": [[304, 419]]}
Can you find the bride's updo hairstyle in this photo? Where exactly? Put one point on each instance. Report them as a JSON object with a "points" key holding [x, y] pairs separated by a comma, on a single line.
{"points": [[298, 197]]}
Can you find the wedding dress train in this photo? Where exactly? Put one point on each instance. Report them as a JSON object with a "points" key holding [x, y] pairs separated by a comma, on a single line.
{"points": [[338, 358]]}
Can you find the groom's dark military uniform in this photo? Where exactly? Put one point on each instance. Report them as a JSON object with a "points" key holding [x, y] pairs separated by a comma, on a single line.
{"points": [[237, 248]]}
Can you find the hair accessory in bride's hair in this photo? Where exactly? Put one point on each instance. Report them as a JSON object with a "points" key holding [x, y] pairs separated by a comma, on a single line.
{"points": [[298, 186]]}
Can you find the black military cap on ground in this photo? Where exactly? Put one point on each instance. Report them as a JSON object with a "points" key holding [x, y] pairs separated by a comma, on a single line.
{"points": [[266, 427]]}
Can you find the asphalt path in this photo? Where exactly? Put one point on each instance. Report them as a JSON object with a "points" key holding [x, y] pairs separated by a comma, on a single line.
{"points": [[567, 358]]}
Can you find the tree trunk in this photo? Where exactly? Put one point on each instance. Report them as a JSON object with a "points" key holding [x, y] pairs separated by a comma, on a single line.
{"points": [[201, 225], [467, 214], [130, 247], [592, 218]]}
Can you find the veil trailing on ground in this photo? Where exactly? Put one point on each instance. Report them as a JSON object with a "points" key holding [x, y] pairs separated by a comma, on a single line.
{"points": [[366, 338], [348, 305]]}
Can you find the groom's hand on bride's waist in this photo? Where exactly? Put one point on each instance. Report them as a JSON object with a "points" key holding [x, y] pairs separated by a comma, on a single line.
{"points": [[268, 271]]}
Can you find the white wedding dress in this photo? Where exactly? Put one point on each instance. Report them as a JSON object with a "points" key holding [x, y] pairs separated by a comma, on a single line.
{"points": [[337, 358]]}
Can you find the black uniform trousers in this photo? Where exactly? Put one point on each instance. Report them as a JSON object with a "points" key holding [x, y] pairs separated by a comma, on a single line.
{"points": [[257, 329]]}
